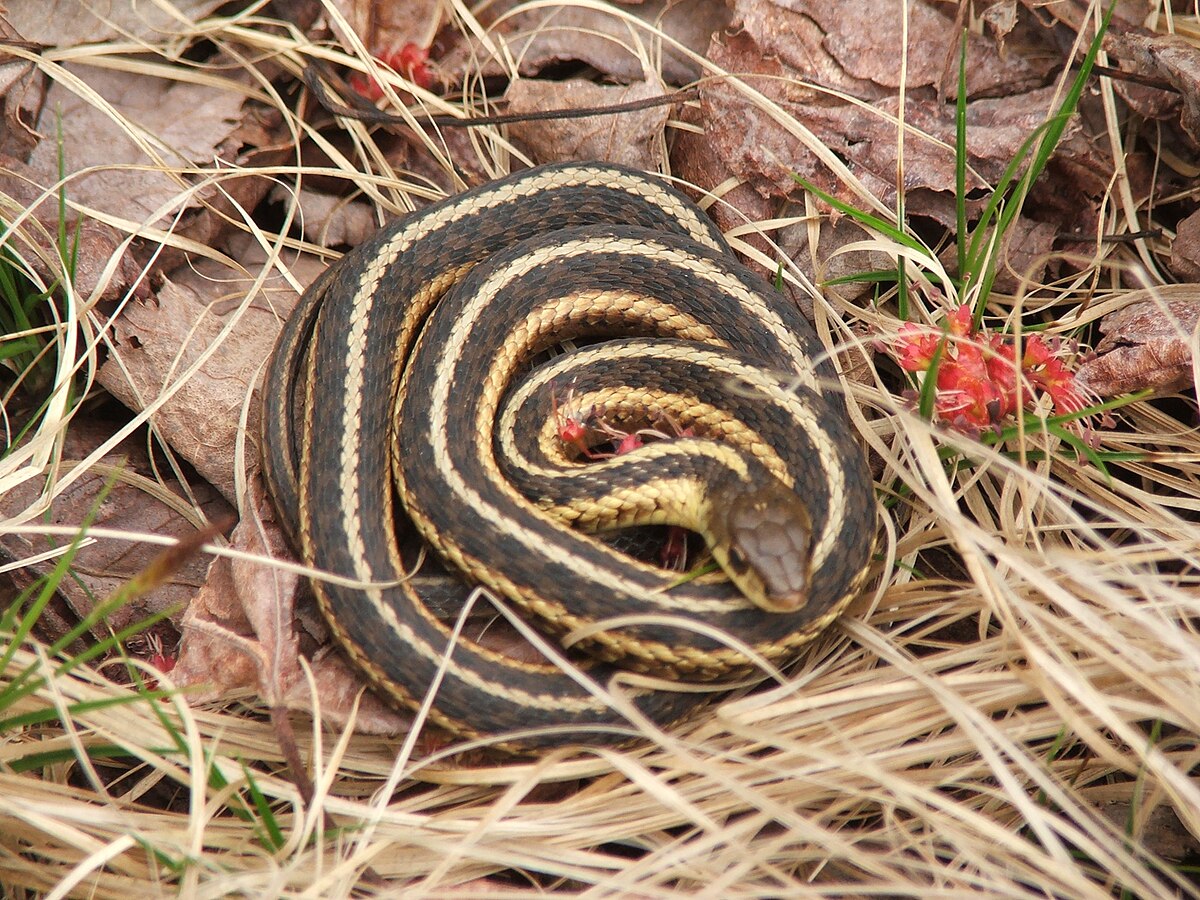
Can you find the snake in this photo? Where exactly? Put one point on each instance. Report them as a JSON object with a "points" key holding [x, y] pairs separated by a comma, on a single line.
{"points": [[414, 401]]}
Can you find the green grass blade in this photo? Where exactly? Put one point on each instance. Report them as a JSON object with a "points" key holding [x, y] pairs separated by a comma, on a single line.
{"points": [[1047, 139], [928, 396], [885, 228]]}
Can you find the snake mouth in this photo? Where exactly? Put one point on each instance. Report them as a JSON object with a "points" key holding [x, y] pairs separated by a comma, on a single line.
{"points": [[786, 600]]}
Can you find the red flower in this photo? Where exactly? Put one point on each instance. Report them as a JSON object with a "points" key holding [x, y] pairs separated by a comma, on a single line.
{"points": [[411, 61], [979, 381], [628, 444], [915, 347]]}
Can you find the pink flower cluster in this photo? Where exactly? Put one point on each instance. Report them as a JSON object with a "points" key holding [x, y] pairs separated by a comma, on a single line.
{"points": [[980, 380]]}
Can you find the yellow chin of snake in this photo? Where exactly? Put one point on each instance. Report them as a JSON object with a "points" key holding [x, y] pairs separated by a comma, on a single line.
{"points": [[762, 539]]}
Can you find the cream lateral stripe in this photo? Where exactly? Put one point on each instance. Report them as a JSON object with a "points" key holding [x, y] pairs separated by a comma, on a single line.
{"points": [[473, 678], [556, 451], [440, 405], [352, 513], [560, 462], [363, 364], [430, 653], [665, 255], [425, 228], [433, 655], [755, 378], [597, 398], [676, 601]]}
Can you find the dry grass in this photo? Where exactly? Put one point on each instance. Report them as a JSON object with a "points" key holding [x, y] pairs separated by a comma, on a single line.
{"points": [[1013, 711]]}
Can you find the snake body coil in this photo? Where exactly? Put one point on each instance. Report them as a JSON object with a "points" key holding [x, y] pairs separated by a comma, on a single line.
{"points": [[408, 362]]}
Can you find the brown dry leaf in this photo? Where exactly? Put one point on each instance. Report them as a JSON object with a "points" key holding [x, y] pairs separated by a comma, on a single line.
{"points": [[384, 27], [134, 503], [223, 647], [765, 154], [1147, 344], [329, 220], [1185, 249], [1163, 57], [631, 138], [1158, 828], [1000, 17], [213, 654], [241, 631], [1026, 255], [158, 340], [22, 90], [550, 35], [798, 53], [1075, 14], [68, 23], [219, 125], [695, 160], [251, 622], [344, 696], [736, 138], [97, 245], [852, 47], [1172, 59]]}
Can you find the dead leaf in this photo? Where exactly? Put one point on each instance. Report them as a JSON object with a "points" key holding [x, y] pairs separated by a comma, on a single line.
{"points": [[1147, 344], [801, 54], [1175, 61], [852, 47], [1185, 249], [1001, 18], [129, 182], [384, 27], [551, 35], [158, 340], [767, 156], [345, 698], [22, 89], [1162, 57], [241, 631], [251, 622], [68, 23], [220, 648], [102, 567], [1159, 828], [695, 160], [95, 245], [329, 220], [631, 138], [1076, 15], [213, 658], [1026, 256]]}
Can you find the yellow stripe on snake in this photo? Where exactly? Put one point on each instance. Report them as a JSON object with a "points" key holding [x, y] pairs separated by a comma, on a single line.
{"points": [[407, 391]]}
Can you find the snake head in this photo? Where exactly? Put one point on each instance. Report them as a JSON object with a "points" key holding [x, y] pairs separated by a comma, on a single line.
{"points": [[763, 541]]}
